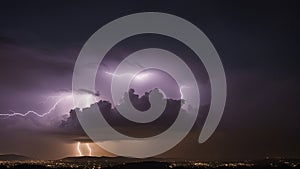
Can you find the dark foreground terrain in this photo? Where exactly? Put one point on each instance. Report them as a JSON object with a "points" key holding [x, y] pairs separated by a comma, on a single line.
{"points": [[89, 162], [149, 165]]}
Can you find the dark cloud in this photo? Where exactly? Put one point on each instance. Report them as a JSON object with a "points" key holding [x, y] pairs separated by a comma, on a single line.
{"points": [[4, 40], [23, 66], [139, 130]]}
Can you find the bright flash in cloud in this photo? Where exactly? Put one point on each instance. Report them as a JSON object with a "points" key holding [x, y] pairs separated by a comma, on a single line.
{"points": [[119, 75], [142, 76]]}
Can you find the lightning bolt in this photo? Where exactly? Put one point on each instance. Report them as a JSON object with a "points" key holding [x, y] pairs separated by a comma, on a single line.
{"points": [[61, 98], [78, 149], [119, 75], [89, 148], [180, 90], [137, 76], [35, 113]]}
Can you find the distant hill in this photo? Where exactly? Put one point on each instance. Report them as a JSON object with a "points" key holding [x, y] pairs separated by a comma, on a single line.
{"points": [[106, 159], [95, 158], [13, 157]]}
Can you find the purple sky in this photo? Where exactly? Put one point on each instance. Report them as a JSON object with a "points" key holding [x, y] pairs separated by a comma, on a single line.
{"points": [[259, 51]]}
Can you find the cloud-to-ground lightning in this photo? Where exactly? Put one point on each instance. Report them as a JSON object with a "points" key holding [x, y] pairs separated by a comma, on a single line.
{"points": [[78, 149], [89, 148]]}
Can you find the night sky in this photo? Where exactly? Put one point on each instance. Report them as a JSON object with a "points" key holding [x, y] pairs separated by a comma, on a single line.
{"points": [[258, 43]]}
